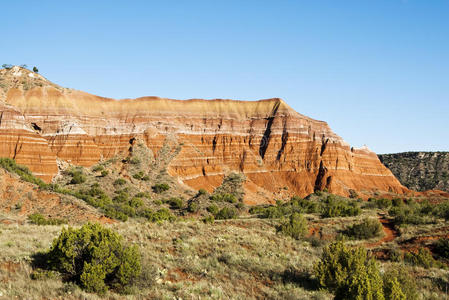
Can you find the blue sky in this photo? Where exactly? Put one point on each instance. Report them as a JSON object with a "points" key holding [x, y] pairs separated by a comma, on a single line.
{"points": [[376, 71]]}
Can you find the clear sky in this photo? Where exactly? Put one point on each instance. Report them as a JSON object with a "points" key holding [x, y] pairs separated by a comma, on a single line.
{"points": [[377, 71]]}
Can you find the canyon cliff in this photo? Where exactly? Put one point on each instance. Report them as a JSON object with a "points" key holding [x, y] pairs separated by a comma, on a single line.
{"points": [[275, 147]]}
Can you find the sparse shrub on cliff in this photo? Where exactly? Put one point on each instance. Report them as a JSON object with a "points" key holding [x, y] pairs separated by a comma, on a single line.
{"points": [[233, 185], [226, 213], [113, 212], [192, 207], [160, 187], [136, 202], [240, 205], [202, 192], [97, 168], [134, 160], [77, 176], [223, 197], [175, 203], [143, 195], [119, 182], [94, 257], [369, 228], [121, 197], [24, 173], [39, 219], [162, 214], [295, 226], [209, 219], [213, 209], [353, 194], [138, 175], [349, 273], [104, 173]]}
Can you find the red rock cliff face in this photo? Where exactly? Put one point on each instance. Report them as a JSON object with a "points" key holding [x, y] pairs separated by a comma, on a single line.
{"points": [[274, 146]]}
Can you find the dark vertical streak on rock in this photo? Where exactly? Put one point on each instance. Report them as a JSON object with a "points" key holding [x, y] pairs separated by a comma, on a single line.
{"points": [[267, 134]]}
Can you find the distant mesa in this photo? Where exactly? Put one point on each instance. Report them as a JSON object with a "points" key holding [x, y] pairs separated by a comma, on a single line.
{"points": [[278, 149]]}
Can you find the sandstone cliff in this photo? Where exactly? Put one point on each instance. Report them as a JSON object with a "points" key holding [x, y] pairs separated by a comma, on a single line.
{"points": [[275, 147]]}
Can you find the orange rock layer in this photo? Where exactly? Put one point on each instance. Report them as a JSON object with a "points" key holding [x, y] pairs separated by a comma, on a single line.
{"points": [[274, 146]]}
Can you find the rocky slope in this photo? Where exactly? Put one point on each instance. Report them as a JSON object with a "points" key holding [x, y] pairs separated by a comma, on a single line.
{"points": [[420, 171], [275, 147]]}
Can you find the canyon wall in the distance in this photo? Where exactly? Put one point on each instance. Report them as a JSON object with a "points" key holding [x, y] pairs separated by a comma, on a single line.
{"points": [[276, 148]]}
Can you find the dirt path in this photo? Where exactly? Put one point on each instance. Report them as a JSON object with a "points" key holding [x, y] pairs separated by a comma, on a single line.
{"points": [[390, 232]]}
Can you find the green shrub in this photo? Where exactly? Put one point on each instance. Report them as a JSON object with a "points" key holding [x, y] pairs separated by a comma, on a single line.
{"points": [[138, 175], [349, 273], [223, 197], [135, 202], [398, 282], [146, 178], [41, 274], [98, 168], [369, 228], [295, 205], [134, 160], [119, 181], [209, 219], [95, 257], [77, 176], [413, 213], [160, 187], [143, 195], [24, 173], [202, 192], [226, 213], [295, 227], [397, 202], [121, 197], [104, 173], [192, 207], [381, 203], [339, 208], [422, 258], [39, 219], [213, 209], [162, 214], [442, 248], [175, 203], [114, 212]]}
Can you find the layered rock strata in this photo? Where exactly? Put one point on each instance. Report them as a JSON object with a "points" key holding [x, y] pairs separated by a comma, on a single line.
{"points": [[274, 146]]}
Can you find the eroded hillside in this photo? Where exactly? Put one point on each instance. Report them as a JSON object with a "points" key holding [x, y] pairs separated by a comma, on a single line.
{"points": [[420, 171]]}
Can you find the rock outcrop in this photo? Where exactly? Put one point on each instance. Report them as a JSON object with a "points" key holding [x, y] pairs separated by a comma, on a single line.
{"points": [[275, 147]]}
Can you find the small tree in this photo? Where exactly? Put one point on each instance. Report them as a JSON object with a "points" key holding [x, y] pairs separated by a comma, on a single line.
{"points": [[350, 273], [95, 257], [296, 226], [35, 70]]}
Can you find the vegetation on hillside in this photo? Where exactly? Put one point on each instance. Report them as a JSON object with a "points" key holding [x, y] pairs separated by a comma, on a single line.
{"points": [[210, 245]]}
